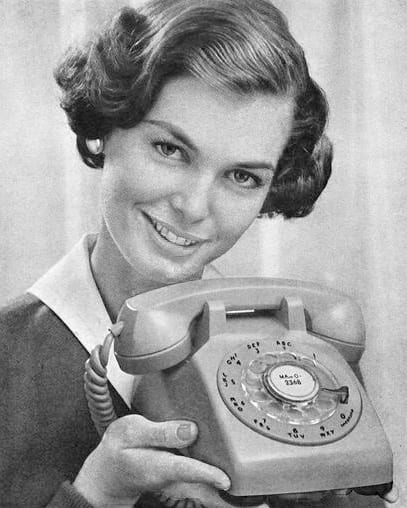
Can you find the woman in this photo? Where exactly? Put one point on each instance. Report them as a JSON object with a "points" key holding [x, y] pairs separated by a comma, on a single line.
{"points": [[203, 116]]}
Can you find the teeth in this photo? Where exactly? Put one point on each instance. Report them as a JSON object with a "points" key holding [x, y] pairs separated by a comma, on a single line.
{"points": [[172, 237]]}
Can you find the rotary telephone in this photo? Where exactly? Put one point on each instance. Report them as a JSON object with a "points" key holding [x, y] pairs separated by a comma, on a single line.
{"points": [[267, 369]]}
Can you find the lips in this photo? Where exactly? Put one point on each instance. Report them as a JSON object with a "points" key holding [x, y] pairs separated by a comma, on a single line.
{"points": [[171, 235]]}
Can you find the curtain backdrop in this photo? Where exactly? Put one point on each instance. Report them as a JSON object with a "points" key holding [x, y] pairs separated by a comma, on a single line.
{"points": [[354, 241]]}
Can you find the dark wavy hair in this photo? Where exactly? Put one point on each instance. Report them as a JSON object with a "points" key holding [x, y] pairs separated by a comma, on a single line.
{"points": [[246, 47]]}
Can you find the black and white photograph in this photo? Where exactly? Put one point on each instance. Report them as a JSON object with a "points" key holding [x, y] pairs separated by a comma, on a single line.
{"points": [[203, 247]]}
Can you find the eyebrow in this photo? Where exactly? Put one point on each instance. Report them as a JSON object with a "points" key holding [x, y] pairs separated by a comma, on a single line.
{"points": [[177, 133]]}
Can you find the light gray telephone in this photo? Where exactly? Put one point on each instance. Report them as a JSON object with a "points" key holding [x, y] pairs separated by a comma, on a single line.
{"points": [[266, 367]]}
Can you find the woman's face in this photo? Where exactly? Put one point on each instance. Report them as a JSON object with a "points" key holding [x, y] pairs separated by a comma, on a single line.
{"points": [[181, 187]]}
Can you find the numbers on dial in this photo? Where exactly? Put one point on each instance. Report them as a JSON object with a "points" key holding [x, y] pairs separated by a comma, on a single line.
{"points": [[295, 434], [283, 343], [239, 405], [262, 423], [324, 432], [233, 359], [346, 418], [254, 346], [227, 380], [244, 377]]}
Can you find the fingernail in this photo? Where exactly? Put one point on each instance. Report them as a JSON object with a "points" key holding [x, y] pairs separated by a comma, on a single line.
{"points": [[116, 328], [225, 485], [185, 431]]}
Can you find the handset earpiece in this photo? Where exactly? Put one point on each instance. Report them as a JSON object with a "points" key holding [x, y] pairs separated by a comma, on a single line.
{"points": [[152, 339]]}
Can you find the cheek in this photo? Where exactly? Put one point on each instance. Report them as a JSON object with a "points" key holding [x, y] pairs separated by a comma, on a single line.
{"points": [[114, 193], [127, 188], [236, 216], [233, 221]]}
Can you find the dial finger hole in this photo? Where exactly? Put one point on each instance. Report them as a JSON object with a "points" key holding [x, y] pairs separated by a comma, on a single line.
{"points": [[250, 390], [270, 358], [307, 362], [252, 379], [273, 409], [259, 396], [326, 402], [257, 366], [286, 357], [294, 414], [311, 413]]}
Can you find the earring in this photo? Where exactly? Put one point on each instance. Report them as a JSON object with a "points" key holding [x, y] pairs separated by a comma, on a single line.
{"points": [[95, 146]]}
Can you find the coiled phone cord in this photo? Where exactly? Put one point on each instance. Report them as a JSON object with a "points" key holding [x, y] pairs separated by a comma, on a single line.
{"points": [[96, 386]]}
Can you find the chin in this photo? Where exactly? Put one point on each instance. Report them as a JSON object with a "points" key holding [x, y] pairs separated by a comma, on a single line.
{"points": [[178, 275]]}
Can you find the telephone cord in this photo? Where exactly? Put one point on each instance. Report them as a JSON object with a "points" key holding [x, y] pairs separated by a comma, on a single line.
{"points": [[96, 386]]}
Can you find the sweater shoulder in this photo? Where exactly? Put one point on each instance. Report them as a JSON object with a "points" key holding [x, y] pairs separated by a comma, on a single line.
{"points": [[26, 310], [30, 329]]}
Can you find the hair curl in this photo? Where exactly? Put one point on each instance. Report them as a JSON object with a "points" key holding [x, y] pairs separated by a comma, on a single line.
{"points": [[246, 47]]}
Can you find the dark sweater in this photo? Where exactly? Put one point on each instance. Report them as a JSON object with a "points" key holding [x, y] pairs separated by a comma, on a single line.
{"points": [[45, 428]]}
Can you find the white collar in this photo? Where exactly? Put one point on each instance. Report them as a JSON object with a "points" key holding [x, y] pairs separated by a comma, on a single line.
{"points": [[70, 291]]}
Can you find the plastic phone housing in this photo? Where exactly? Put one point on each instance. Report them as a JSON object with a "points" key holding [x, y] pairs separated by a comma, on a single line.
{"points": [[265, 368]]}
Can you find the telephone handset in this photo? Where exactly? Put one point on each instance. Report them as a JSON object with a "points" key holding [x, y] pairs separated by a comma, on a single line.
{"points": [[265, 368]]}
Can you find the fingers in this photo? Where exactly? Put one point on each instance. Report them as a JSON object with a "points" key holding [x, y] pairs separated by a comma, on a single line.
{"points": [[185, 469], [143, 442], [155, 469], [174, 434], [135, 431]]}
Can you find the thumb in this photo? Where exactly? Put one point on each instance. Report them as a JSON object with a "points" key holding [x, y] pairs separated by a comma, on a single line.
{"points": [[172, 434], [138, 432]]}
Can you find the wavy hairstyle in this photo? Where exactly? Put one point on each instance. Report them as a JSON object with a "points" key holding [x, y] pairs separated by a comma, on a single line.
{"points": [[246, 47]]}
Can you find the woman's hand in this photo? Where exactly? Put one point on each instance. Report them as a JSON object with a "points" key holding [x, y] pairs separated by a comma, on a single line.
{"points": [[132, 458]]}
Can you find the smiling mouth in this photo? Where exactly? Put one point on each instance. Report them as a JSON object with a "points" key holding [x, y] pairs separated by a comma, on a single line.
{"points": [[165, 232]]}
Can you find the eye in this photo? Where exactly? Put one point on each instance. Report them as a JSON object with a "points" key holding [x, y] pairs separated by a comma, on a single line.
{"points": [[169, 150], [245, 179]]}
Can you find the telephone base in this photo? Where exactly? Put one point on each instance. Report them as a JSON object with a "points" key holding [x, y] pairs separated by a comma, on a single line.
{"points": [[267, 391], [360, 458]]}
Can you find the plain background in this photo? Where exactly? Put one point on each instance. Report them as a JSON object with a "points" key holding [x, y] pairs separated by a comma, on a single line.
{"points": [[354, 241]]}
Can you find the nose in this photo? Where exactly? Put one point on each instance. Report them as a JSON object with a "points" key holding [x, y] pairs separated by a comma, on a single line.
{"points": [[193, 199]]}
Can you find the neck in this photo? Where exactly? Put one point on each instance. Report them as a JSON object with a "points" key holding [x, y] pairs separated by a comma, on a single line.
{"points": [[115, 278]]}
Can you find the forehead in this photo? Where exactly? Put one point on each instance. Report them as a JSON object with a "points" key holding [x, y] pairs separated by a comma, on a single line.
{"points": [[223, 122]]}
